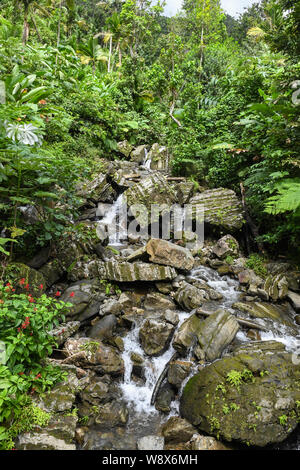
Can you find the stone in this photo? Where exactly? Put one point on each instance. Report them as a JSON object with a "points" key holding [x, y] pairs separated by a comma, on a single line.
{"points": [[155, 336], [164, 398], [189, 297], [164, 287], [64, 331], [84, 352], [138, 154], [216, 333], [294, 298], [177, 430], [35, 279], [153, 189], [30, 214], [169, 254], [171, 317], [125, 148], [96, 392], [131, 272], [265, 310], [157, 302], [185, 192], [111, 415], [222, 208], [42, 441], [97, 190], [226, 246], [41, 258], [151, 443], [104, 328], [60, 399], [261, 404], [276, 287], [178, 372], [199, 442], [187, 335], [52, 272], [159, 157]]}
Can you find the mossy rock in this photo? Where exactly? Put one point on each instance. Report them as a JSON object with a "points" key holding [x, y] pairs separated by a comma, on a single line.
{"points": [[261, 409], [14, 272]]}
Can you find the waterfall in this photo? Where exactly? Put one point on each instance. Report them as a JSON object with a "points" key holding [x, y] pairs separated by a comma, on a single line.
{"points": [[147, 161], [114, 223]]}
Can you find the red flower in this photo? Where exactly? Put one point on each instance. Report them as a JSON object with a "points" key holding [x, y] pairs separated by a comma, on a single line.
{"points": [[21, 373], [7, 285], [27, 286], [57, 294], [31, 299], [72, 294], [22, 281], [41, 287], [38, 376]]}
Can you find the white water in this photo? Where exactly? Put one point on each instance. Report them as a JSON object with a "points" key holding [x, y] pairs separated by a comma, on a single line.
{"points": [[114, 223], [147, 160]]}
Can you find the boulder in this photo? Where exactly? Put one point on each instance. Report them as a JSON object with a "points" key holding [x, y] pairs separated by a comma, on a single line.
{"points": [[169, 254], [151, 443], [187, 335], [294, 298], [199, 442], [265, 310], [125, 148], [155, 336], [222, 208], [226, 246], [177, 430], [158, 302], [64, 331], [276, 287], [104, 328], [97, 190], [138, 154], [216, 333], [251, 398], [93, 354], [110, 415], [185, 192], [189, 297], [159, 157], [178, 372], [164, 398], [131, 272], [153, 189]]}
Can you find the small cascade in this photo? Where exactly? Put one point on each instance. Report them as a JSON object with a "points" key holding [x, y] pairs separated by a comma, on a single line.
{"points": [[114, 223], [147, 161]]}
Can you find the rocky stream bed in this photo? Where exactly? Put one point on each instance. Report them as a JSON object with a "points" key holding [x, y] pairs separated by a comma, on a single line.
{"points": [[167, 347]]}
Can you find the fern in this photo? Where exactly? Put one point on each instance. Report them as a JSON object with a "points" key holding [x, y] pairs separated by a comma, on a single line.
{"points": [[286, 199]]}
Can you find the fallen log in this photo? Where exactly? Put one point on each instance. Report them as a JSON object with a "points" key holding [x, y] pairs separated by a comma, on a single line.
{"points": [[161, 378]]}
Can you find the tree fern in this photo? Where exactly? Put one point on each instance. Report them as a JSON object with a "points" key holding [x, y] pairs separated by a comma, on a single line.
{"points": [[286, 199]]}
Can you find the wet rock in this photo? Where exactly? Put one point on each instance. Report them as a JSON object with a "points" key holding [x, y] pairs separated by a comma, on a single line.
{"points": [[104, 328], [177, 430], [199, 442], [138, 154], [216, 333], [111, 415], [276, 313], [189, 297], [159, 157], [276, 287], [187, 334], [85, 296], [261, 402], [131, 272], [169, 254], [150, 443], [64, 331], [171, 317], [155, 336], [178, 372], [42, 441], [164, 287], [96, 392], [226, 246], [138, 369], [93, 354], [52, 272], [125, 148], [153, 189], [185, 192], [30, 214], [294, 298], [17, 271], [254, 335], [40, 258], [97, 190], [157, 302], [164, 398], [85, 269], [222, 208]]}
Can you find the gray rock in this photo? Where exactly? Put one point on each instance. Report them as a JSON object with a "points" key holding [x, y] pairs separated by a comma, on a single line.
{"points": [[169, 254], [185, 191], [294, 298], [158, 302], [216, 333], [265, 310], [177, 430], [151, 443], [104, 328], [138, 154], [226, 246], [125, 148], [131, 272], [189, 297], [187, 334], [159, 157], [178, 372], [222, 208], [64, 331], [276, 287], [155, 336]]}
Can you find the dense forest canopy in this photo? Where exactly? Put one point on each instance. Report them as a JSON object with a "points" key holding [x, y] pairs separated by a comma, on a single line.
{"points": [[220, 92]]}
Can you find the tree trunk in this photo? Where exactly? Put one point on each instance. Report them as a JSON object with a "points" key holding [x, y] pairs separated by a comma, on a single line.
{"points": [[25, 24]]}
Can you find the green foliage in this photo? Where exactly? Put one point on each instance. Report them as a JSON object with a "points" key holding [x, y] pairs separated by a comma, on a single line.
{"points": [[256, 263], [236, 378]]}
